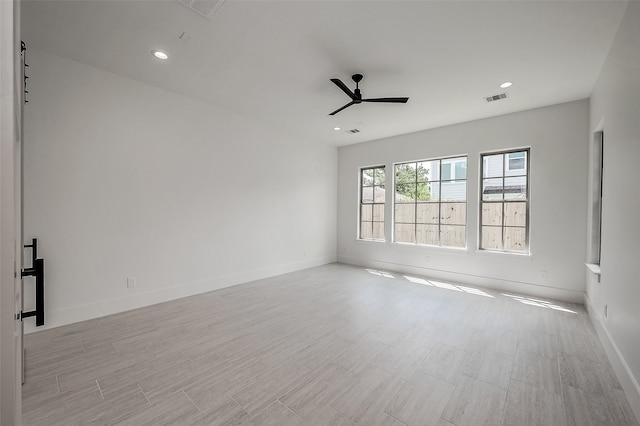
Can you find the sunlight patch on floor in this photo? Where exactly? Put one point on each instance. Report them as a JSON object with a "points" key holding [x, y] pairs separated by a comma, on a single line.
{"points": [[380, 273], [447, 286], [538, 302]]}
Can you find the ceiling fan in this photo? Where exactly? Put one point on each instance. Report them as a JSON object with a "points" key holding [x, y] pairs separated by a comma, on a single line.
{"points": [[356, 96]]}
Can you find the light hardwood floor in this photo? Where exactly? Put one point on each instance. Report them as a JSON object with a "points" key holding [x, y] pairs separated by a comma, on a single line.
{"points": [[334, 345]]}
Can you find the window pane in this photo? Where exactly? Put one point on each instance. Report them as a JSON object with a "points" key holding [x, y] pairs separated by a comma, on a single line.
{"points": [[492, 165], [515, 188], [514, 239], [461, 168], [454, 190], [378, 194], [367, 177], [516, 163], [378, 212], [405, 192], [379, 177], [406, 173], [367, 194], [378, 230], [491, 189], [427, 213], [452, 236], [424, 191], [492, 214], [428, 171], [434, 190], [405, 213], [515, 214], [427, 234], [453, 213], [365, 230], [446, 171], [366, 212], [492, 237], [405, 233]]}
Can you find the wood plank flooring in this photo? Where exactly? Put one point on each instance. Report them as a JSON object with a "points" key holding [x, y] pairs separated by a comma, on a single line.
{"points": [[335, 345]]}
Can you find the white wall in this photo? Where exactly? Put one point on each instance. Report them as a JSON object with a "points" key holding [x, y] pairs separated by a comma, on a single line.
{"points": [[615, 108], [558, 138], [127, 180]]}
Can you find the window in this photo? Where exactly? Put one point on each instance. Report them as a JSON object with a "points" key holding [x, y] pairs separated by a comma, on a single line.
{"points": [[372, 203], [596, 197], [430, 202], [504, 202]]}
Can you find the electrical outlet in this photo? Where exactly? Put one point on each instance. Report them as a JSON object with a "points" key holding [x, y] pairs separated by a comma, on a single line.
{"points": [[131, 282]]}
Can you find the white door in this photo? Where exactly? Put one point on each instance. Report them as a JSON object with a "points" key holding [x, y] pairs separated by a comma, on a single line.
{"points": [[17, 175], [10, 213]]}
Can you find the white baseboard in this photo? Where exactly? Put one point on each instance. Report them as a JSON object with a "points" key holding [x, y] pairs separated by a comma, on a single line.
{"points": [[625, 375], [113, 306], [548, 292]]}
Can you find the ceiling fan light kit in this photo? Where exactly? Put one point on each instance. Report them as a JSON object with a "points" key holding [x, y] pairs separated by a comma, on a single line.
{"points": [[356, 96]]}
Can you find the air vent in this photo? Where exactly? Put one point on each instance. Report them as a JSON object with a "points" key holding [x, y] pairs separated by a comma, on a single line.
{"points": [[497, 97], [205, 8], [353, 131]]}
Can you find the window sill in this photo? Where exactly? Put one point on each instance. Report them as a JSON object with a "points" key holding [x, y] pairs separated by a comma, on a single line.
{"points": [[595, 269], [365, 240], [430, 248], [488, 252]]}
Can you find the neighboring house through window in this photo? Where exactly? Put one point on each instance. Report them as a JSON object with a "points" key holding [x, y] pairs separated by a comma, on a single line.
{"points": [[504, 201], [430, 202], [372, 195], [516, 161]]}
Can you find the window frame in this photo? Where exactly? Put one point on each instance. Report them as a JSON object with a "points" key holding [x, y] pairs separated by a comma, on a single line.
{"points": [[597, 179], [440, 202], [503, 201], [361, 187]]}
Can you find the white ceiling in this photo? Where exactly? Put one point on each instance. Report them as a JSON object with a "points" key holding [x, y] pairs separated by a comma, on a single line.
{"points": [[272, 60]]}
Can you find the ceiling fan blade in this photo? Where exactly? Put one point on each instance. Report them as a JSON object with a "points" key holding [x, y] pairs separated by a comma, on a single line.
{"points": [[341, 108], [394, 100], [344, 88]]}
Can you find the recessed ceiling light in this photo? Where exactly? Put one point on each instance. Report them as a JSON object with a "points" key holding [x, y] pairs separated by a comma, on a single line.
{"points": [[506, 84], [160, 54], [336, 128]]}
